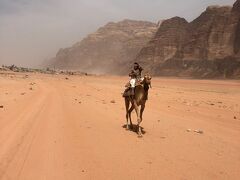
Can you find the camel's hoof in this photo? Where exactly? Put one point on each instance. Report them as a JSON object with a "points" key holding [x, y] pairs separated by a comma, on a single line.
{"points": [[140, 136]]}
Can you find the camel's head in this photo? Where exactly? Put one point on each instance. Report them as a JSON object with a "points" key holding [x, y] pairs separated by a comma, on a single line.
{"points": [[147, 79]]}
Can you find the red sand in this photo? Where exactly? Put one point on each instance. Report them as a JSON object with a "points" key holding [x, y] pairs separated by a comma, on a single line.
{"points": [[69, 129]]}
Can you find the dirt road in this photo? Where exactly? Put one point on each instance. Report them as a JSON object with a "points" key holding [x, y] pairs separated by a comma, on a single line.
{"points": [[53, 128]]}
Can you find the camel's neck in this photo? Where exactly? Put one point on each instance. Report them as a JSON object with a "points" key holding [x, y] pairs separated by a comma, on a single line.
{"points": [[146, 87], [141, 92]]}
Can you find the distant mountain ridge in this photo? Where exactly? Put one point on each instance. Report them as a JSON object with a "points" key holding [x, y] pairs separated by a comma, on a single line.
{"points": [[109, 48], [207, 47]]}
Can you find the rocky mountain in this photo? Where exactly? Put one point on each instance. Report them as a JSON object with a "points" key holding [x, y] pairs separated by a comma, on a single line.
{"points": [[209, 46], [108, 49]]}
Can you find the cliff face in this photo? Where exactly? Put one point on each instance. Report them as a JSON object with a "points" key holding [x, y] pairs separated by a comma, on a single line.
{"points": [[106, 50], [209, 36], [236, 11], [205, 47], [165, 44]]}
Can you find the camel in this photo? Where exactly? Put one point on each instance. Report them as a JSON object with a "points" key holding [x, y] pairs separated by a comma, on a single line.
{"points": [[138, 102]]}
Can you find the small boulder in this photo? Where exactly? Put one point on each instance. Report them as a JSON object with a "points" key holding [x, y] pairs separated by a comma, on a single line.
{"points": [[198, 131], [112, 101]]}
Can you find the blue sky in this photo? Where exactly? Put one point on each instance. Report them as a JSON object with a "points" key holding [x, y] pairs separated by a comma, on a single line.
{"points": [[32, 31]]}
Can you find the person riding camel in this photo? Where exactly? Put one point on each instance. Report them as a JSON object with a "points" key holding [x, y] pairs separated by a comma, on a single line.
{"points": [[135, 76]]}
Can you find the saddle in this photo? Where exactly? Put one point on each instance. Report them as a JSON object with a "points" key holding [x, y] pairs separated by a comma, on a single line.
{"points": [[129, 91]]}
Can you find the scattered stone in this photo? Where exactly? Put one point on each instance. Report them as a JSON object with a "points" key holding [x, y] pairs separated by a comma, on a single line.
{"points": [[198, 131], [1, 106], [26, 76], [66, 78], [23, 93], [80, 102], [189, 130], [31, 88], [212, 104], [112, 101], [158, 120], [235, 117]]}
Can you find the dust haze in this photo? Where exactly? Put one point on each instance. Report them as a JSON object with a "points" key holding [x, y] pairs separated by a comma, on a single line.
{"points": [[33, 31]]}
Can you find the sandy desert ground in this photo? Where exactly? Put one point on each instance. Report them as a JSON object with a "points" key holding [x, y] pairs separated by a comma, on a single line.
{"points": [[53, 128]]}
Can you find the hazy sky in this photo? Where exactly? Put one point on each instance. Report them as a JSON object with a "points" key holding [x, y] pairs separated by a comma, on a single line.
{"points": [[33, 30]]}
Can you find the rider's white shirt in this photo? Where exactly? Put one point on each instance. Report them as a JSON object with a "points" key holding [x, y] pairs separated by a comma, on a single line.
{"points": [[133, 82]]}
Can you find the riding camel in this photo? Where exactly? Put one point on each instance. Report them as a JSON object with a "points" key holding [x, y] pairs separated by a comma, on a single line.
{"points": [[137, 102]]}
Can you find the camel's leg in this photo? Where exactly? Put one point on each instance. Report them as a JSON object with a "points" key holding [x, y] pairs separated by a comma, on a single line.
{"points": [[129, 114], [141, 111], [127, 102], [138, 119]]}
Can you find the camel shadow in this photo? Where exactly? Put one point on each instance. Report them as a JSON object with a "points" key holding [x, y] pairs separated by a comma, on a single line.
{"points": [[134, 128]]}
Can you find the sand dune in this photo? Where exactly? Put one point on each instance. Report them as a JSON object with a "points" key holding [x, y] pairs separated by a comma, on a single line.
{"points": [[57, 128]]}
